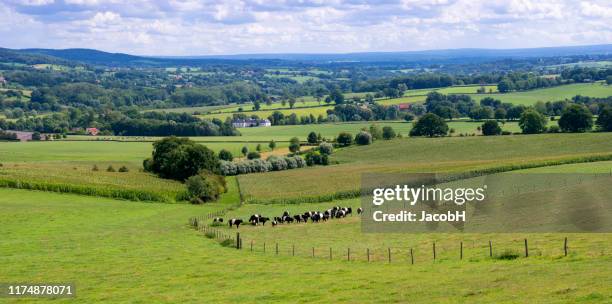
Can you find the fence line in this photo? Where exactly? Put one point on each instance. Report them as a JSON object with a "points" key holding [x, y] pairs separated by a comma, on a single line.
{"points": [[396, 254]]}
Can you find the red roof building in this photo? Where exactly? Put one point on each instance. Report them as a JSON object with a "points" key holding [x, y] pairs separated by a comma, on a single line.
{"points": [[92, 131]]}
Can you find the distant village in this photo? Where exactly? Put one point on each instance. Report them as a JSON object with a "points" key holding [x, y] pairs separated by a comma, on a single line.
{"points": [[249, 123], [23, 136]]}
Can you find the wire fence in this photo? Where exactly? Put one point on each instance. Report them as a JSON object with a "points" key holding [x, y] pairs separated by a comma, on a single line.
{"points": [[421, 253]]}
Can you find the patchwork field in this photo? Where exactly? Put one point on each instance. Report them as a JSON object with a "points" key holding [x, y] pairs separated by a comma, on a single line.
{"points": [[72, 238], [456, 154]]}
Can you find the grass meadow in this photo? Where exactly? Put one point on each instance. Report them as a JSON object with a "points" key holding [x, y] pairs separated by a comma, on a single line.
{"points": [[145, 252]]}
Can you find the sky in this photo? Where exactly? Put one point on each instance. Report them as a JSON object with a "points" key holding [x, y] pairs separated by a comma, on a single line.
{"points": [[212, 27]]}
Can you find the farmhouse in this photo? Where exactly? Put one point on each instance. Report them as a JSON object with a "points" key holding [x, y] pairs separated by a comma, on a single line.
{"points": [[92, 131], [403, 106], [247, 123]]}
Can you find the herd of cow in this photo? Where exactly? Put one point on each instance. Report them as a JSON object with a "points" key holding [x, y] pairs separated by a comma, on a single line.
{"points": [[314, 216]]}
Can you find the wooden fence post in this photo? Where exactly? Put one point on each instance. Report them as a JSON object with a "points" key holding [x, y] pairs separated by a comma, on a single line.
{"points": [[330, 253], [276, 248], [348, 254], [251, 245], [411, 257], [368, 253], [264, 247], [490, 249], [565, 246], [237, 240], [389, 254], [461, 251], [526, 249], [292, 249], [434, 251], [313, 252]]}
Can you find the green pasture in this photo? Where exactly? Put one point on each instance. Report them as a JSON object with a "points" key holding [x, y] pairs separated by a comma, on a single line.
{"points": [[551, 94], [156, 257], [449, 154]]}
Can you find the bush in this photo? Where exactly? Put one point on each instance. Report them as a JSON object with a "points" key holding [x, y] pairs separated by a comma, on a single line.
{"points": [[253, 155], [203, 188], [576, 118], [532, 122], [363, 138], [554, 129], [110, 169], [95, 168], [326, 148], [376, 132], [226, 155], [506, 255], [388, 132], [429, 125], [491, 127], [180, 158], [506, 133], [124, 169], [344, 139]]}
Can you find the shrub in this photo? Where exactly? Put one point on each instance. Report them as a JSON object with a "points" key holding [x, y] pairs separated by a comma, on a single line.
{"points": [[554, 129], [506, 255], [180, 158], [576, 118], [95, 168], [244, 150], [491, 127], [326, 148], [506, 133], [344, 139], [226, 155], [124, 169], [532, 122], [376, 132], [253, 155], [388, 132], [202, 188], [363, 138], [110, 169], [272, 145], [429, 125], [312, 138]]}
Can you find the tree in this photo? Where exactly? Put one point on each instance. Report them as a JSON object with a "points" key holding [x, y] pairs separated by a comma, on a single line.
{"points": [[363, 138], [576, 118], [429, 125], [244, 150], [180, 158], [294, 145], [336, 96], [500, 113], [326, 148], [505, 85], [272, 145], [312, 138], [291, 102], [604, 121], [258, 148], [388, 132], [609, 80], [256, 105], [376, 132], [491, 127], [532, 122], [226, 155], [253, 155], [344, 139]]}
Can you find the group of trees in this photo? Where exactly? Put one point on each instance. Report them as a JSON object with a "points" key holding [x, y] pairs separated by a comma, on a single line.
{"points": [[272, 163], [184, 160]]}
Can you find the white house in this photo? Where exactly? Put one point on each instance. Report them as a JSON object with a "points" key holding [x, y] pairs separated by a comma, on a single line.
{"points": [[247, 123]]}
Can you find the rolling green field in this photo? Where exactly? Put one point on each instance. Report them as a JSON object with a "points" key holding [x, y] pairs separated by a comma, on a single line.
{"points": [[451, 154], [316, 111], [155, 257], [552, 94]]}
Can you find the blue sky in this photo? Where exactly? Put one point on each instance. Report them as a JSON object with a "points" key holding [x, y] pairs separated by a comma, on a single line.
{"points": [[191, 27]]}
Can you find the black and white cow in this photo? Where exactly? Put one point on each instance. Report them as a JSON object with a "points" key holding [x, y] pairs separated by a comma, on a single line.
{"points": [[274, 223], [286, 213], [218, 220], [298, 218], [254, 219], [263, 220], [359, 210], [288, 219], [235, 222]]}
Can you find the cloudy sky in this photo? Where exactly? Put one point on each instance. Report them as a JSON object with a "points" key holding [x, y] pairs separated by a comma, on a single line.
{"points": [[192, 27]]}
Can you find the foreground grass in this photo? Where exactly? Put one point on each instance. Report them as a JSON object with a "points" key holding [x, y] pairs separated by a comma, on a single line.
{"points": [[144, 253], [424, 155]]}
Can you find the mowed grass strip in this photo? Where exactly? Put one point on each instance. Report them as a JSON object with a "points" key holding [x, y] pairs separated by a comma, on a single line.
{"points": [[155, 257], [422, 155]]}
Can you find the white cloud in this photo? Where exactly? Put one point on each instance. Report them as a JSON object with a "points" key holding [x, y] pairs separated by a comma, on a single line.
{"points": [[193, 27]]}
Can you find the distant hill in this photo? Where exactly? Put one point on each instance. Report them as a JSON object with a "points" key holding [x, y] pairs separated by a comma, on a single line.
{"points": [[95, 57]]}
